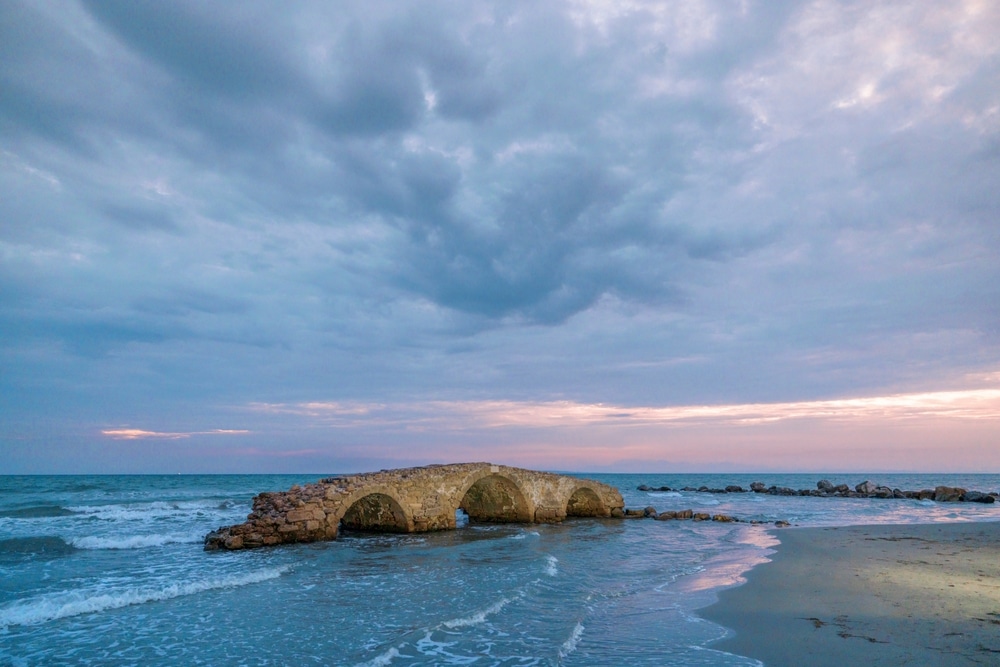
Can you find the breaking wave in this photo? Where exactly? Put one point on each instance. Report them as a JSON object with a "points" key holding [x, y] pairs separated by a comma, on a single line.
{"points": [[133, 541], [54, 606], [570, 644], [480, 616]]}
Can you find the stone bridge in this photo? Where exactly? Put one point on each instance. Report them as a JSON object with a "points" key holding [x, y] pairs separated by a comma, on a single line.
{"points": [[414, 500]]}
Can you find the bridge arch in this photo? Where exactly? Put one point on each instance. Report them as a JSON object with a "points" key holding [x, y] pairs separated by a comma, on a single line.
{"points": [[375, 509], [586, 501], [491, 497]]}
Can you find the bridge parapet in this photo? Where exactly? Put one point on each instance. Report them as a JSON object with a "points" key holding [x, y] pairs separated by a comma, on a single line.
{"points": [[412, 500]]}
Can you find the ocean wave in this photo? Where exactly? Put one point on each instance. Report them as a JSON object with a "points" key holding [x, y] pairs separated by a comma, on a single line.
{"points": [[479, 616], [523, 534], [152, 510], [570, 644], [383, 659], [551, 566], [55, 606], [45, 546], [37, 512], [133, 541]]}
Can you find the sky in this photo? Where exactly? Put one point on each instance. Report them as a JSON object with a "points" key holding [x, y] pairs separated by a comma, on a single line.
{"points": [[691, 236]]}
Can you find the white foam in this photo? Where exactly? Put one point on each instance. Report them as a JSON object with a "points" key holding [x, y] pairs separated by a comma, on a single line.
{"points": [[133, 541], [383, 659], [523, 534], [152, 510], [480, 616], [551, 566], [73, 603], [570, 644]]}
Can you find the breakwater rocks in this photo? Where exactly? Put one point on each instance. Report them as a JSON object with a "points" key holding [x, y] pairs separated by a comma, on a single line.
{"points": [[690, 515], [827, 489], [415, 500]]}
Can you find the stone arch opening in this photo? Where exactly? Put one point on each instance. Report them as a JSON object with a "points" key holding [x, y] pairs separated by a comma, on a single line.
{"points": [[375, 513], [585, 502], [495, 499]]}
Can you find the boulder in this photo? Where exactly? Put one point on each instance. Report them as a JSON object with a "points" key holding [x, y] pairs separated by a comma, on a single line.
{"points": [[635, 514], [882, 492], [948, 494], [758, 487], [866, 487], [650, 511], [685, 514], [925, 494], [701, 516], [733, 488], [642, 487], [825, 485], [665, 516], [617, 512], [782, 524], [842, 489], [978, 497], [723, 518]]}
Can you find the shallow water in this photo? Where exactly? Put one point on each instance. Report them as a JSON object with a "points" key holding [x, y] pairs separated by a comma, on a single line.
{"points": [[110, 570]]}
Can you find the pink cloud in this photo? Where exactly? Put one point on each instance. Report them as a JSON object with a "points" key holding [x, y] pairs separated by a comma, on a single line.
{"points": [[140, 434]]}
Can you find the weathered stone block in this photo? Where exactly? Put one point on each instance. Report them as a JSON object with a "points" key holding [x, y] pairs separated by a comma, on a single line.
{"points": [[295, 516]]}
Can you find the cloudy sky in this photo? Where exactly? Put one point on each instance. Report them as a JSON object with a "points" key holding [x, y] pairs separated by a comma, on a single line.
{"points": [[584, 235]]}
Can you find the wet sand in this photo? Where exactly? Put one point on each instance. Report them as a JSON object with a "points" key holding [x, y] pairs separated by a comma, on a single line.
{"points": [[923, 595]]}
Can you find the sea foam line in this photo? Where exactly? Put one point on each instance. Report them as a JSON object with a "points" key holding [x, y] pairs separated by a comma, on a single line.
{"points": [[73, 603], [133, 541], [480, 616], [382, 660], [570, 644]]}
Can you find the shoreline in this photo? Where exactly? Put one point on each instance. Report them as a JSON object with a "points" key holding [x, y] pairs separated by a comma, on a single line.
{"points": [[915, 594]]}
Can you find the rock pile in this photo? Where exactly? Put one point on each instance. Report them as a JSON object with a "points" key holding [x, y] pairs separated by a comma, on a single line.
{"points": [[689, 515], [867, 489]]}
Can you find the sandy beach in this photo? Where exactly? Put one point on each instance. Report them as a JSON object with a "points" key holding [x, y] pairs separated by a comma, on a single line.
{"points": [[903, 595]]}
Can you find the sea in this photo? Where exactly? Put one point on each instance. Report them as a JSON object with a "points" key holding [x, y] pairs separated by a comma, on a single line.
{"points": [[110, 570]]}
